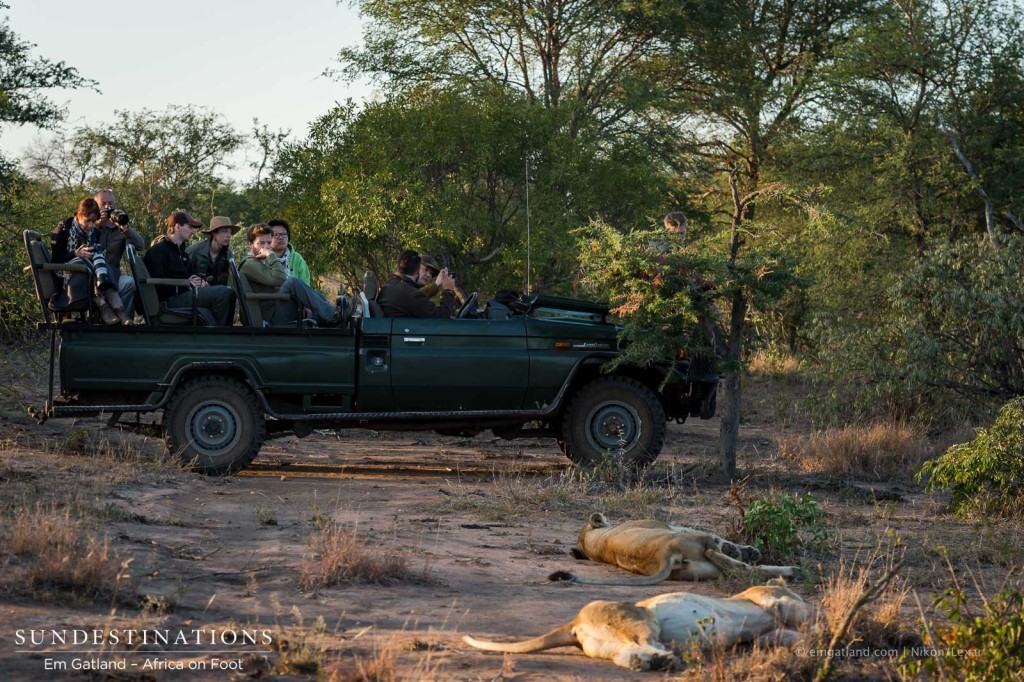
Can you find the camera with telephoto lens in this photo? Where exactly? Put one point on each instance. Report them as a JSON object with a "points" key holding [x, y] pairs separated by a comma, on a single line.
{"points": [[119, 217]]}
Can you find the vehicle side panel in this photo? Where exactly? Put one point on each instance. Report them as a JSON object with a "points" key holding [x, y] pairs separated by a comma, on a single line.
{"points": [[282, 362], [459, 364]]}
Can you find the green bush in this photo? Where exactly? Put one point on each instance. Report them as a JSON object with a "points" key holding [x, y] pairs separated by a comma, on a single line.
{"points": [[778, 527], [985, 475], [973, 646]]}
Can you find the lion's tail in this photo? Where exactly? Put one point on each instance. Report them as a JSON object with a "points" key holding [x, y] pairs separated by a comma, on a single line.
{"points": [[562, 636], [641, 581]]}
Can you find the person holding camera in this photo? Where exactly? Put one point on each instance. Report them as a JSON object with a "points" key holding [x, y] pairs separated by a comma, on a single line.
{"points": [[77, 240], [114, 233], [401, 295], [429, 279]]}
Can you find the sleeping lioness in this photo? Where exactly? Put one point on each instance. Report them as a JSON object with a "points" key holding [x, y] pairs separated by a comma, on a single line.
{"points": [[635, 635], [659, 551]]}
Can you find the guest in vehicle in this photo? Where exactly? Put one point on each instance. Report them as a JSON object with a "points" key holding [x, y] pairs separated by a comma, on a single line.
{"points": [[167, 259], [401, 295], [265, 273], [430, 271], [76, 240], [293, 262], [115, 233], [209, 258]]}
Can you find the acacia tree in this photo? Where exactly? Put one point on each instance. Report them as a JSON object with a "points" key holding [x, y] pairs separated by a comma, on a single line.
{"points": [[741, 78], [154, 161], [446, 172], [581, 56]]}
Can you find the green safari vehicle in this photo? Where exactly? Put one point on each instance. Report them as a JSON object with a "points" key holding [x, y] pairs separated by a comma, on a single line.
{"points": [[222, 391]]}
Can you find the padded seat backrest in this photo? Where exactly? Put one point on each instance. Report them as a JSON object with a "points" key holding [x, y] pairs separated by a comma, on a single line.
{"points": [[38, 256], [370, 285], [149, 302], [252, 314]]}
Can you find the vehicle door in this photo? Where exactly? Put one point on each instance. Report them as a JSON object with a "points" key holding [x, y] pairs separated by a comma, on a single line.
{"points": [[458, 365]]}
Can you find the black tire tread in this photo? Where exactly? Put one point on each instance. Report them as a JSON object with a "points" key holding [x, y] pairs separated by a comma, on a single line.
{"points": [[645, 394], [181, 393]]}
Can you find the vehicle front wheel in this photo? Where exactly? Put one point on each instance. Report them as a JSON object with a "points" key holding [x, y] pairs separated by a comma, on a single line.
{"points": [[615, 416], [214, 425]]}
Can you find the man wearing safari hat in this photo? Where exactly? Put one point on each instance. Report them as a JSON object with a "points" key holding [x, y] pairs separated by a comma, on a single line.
{"points": [[429, 279], [166, 259], [209, 257]]}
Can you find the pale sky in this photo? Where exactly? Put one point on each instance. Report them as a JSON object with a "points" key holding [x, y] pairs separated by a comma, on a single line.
{"points": [[240, 58]]}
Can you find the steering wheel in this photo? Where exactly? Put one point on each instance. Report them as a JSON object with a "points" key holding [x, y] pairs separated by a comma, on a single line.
{"points": [[469, 305]]}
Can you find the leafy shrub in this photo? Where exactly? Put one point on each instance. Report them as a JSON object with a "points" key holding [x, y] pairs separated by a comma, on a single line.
{"points": [[942, 340], [774, 526], [974, 646], [985, 475]]}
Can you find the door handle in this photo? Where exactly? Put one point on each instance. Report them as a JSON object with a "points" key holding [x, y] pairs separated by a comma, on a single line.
{"points": [[415, 339]]}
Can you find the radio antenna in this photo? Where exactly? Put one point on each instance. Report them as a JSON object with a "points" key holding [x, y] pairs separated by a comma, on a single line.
{"points": [[527, 224]]}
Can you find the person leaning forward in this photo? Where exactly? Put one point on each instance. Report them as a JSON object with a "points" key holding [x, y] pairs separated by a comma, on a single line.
{"points": [[401, 296], [167, 259], [265, 273]]}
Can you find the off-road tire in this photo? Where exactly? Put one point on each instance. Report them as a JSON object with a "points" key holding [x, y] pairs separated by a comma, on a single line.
{"points": [[214, 425], [615, 416]]}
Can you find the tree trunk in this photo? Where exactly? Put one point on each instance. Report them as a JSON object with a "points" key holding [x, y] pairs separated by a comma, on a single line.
{"points": [[730, 427]]}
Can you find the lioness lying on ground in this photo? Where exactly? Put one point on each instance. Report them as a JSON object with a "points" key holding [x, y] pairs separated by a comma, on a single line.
{"points": [[635, 635], [662, 552]]}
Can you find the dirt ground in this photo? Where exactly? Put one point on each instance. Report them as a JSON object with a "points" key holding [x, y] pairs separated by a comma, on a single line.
{"points": [[474, 519]]}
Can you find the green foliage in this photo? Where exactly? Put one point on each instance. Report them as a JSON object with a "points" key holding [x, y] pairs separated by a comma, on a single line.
{"points": [[671, 300], [783, 524], [985, 475], [24, 79], [978, 644], [445, 172], [945, 337]]}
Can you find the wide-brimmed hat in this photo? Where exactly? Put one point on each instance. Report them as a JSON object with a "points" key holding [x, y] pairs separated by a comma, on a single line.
{"points": [[219, 222], [430, 262]]}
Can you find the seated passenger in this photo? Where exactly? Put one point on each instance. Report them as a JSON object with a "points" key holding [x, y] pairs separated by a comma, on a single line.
{"points": [[430, 272], [265, 273], [167, 259], [76, 240], [115, 233], [209, 257], [294, 263], [401, 295]]}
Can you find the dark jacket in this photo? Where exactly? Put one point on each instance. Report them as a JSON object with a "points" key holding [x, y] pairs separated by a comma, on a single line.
{"points": [[213, 271], [59, 251], [166, 259], [114, 241], [401, 297]]}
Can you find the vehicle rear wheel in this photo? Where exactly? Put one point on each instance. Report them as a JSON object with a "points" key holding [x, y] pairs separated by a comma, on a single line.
{"points": [[214, 425], [617, 416]]}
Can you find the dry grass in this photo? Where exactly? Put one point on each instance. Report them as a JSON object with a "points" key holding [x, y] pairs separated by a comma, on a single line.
{"points": [[877, 623], [775, 365], [383, 663], [340, 555], [576, 491], [52, 552], [880, 452]]}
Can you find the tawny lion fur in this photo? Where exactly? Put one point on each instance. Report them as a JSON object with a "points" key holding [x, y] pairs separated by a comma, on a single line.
{"points": [[638, 635], [659, 551]]}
